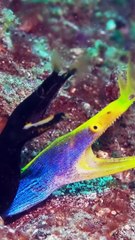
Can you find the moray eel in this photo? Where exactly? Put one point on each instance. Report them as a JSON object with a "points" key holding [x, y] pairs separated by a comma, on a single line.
{"points": [[18, 131], [70, 158]]}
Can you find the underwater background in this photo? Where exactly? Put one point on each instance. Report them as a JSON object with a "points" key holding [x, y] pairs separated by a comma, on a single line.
{"points": [[30, 30]]}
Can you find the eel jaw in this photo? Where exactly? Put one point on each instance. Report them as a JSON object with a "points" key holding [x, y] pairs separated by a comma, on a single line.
{"points": [[88, 166]]}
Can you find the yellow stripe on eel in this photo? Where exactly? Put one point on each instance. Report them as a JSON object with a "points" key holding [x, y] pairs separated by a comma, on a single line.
{"points": [[39, 123]]}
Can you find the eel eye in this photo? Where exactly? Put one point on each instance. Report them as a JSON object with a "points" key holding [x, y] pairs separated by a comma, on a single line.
{"points": [[95, 128]]}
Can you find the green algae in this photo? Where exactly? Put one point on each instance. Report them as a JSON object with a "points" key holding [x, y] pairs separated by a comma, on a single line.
{"points": [[96, 185], [49, 1], [8, 20], [71, 2], [110, 25], [40, 47]]}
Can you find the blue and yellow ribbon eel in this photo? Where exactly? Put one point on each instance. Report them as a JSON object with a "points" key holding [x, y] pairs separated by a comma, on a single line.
{"points": [[70, 157]]}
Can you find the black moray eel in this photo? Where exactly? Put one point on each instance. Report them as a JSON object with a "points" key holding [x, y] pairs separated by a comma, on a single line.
{"points": [[15, 135]]}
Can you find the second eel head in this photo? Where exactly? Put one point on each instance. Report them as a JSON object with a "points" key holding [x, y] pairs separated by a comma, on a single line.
{"points": [[88, 165]]}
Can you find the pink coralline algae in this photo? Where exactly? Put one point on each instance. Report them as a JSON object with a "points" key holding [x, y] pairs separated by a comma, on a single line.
{"points": [[80, 217], [7, 233]]}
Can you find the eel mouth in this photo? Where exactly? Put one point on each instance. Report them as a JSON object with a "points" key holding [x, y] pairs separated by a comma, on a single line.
{"points": [[90, 166]]}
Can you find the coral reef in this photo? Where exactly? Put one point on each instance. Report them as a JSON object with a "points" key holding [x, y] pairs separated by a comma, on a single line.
{"points": [[29, 30]]}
